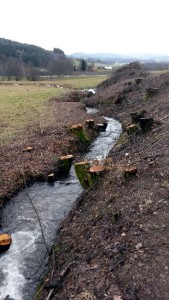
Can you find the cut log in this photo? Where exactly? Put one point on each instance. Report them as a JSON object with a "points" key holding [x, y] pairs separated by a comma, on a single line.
{"points": [[5, 242], [90, 123], [78, 131], [64, 164]]}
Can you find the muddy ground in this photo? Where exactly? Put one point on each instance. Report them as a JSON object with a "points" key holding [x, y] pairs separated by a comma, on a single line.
{"points": [[115, 242]]}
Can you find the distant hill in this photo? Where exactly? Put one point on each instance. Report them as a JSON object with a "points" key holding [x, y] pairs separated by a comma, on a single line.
{"points": [[114, 57], [26, 53], [29, 54]]}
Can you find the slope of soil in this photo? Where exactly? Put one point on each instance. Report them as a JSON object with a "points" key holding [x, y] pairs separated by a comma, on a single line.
{"points": [[114, 244], [19, 167]]}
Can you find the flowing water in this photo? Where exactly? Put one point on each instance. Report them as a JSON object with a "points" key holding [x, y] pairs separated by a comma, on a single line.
{"points": [[22, 266]]}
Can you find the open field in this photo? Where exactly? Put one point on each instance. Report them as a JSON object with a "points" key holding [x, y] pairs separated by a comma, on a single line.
{"points": [[25, 105]]}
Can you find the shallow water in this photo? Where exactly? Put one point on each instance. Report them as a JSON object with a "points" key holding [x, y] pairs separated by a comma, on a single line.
{"points": [[22, 266]]}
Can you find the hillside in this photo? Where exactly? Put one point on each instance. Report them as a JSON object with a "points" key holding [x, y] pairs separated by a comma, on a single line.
{"points": [[26, 53], [18, 60], [114, 243]]}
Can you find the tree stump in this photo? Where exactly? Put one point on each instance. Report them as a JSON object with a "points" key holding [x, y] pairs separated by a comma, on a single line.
{"points": [[151, 92], [90, 123], [135, 116], [64, 164], [119, 99], [146, 124], [88, 175], [5, 242], [78, 131], [130, 129], [138, 80], [101, 126], [28, 149], [95, 172], [130, 172], [82, 172], [51, 178]]}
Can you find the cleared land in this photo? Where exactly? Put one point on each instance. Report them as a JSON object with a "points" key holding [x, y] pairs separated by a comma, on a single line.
{"points": [[32, 114], [25, 106], [114, 244]]}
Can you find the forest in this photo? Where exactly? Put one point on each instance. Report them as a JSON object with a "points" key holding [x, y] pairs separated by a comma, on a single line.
{"points": [[18, 60]]}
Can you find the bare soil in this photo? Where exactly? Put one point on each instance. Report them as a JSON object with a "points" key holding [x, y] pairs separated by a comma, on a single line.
{"points": [[115, 242], [19, 167]]}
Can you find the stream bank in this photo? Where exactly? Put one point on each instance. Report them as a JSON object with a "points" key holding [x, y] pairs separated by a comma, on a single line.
{"points": [[117, 236], [25, 262]]}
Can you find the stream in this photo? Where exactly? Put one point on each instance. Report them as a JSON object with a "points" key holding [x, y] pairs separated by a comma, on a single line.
{"points": [[24, 264]]}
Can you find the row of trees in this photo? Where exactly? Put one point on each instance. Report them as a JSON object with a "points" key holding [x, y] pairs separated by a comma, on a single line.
{"points": [[12, 68]]}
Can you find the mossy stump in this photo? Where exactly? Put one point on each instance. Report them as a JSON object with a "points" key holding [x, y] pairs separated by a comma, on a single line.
{"points": [[132, 128], [5, 242], [90, 123], [78, 131], [130, 172], [64, 164], [82, 173], [87, 174], [146, 124]]}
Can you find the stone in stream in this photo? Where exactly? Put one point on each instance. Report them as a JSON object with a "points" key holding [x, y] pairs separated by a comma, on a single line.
{"points": [[5, 242]]}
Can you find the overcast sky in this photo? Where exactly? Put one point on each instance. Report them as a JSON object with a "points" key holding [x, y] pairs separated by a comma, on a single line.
{"points": [[114, 26]]}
